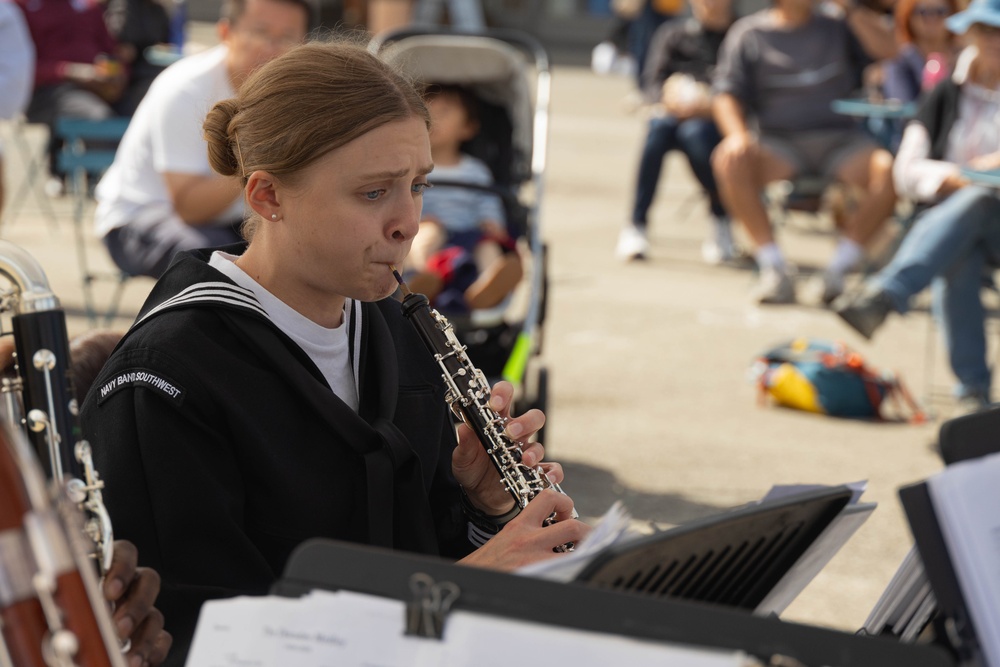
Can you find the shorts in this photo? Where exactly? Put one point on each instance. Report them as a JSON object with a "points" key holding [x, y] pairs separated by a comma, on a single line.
{"points": [[818, 152], [146, 247]]}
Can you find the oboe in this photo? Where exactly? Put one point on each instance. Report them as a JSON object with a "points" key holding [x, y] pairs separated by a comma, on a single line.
{"points": [[467, 393]]}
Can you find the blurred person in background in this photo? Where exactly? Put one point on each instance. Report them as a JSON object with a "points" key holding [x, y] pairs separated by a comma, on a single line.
{"points": [[137, 25], [925, 42], [955, 243], [160, 194], [779, 72], [17, 67], [677, 82], [77, 73]]}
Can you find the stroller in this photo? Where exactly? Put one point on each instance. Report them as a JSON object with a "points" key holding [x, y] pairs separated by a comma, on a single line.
{"points": [[508, 72]]}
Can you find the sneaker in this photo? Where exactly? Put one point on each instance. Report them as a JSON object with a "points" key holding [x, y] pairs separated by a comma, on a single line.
{"points": [[632, 244], [970, 404], [774, 286], [720, 248], [53, 187], [865, 311]]}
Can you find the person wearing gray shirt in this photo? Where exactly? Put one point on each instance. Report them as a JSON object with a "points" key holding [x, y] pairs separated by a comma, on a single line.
{"points": [[779, 71]]}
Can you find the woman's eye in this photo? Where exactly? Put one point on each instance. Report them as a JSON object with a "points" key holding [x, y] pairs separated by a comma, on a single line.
{"points": [[374, 195], [419, 188]]}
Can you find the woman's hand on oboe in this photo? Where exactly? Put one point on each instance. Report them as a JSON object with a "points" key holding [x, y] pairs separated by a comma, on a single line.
{"points": [[133, 591], [526, 539], [472, 466]]}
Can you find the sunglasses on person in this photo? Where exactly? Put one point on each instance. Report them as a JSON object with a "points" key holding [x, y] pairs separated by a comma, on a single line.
{"points": [[931, 12]]}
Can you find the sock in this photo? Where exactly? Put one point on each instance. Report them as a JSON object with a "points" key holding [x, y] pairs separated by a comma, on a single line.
{"points": [[769, 257], [722, 231], [845, 257]]}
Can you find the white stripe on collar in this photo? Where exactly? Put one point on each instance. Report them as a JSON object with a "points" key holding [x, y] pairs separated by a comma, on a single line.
{"points": [[216, 292]]}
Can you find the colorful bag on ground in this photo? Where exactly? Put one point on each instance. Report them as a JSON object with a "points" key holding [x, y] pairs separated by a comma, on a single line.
{"points": [[827, 378]]}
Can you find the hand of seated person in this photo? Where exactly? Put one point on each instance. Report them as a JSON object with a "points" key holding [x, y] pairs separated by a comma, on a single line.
{"points": [[473, 468], [133, 590], [684, 97], [104, 77], [526, 539]]}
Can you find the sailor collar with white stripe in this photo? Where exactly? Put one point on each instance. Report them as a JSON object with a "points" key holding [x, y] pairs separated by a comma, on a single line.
{"points": [[223, 293]]}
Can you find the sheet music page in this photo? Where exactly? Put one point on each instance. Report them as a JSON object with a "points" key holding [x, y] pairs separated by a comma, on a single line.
{"points": [[612, 528], [345, 629], [321, 629], [906, 585], [489, 641], [816, 557], [966, 496], [779, 491]]}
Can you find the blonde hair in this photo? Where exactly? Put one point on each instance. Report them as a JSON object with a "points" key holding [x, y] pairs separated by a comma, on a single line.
{"points": [[300, 106]]}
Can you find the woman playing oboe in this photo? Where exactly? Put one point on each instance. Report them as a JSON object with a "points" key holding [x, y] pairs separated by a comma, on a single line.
{"points": [[272, 392]]}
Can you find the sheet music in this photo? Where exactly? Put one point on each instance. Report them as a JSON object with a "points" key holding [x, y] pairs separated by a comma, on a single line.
{"points": [[345, 629], [965, 497], [907, 603], [612, 528], [816, 557]]}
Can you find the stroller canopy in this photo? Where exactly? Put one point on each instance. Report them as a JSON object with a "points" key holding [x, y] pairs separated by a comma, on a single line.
{"points": [[497, 72]]}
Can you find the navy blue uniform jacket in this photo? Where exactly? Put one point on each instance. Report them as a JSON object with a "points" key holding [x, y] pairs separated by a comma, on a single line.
{"points": [[223, 448]]}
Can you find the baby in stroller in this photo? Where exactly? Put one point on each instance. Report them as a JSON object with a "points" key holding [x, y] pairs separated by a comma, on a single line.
{"points": [[464, 257]]}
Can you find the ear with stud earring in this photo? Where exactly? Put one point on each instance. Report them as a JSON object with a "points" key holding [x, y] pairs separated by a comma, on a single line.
{"points": [[274, 216]]}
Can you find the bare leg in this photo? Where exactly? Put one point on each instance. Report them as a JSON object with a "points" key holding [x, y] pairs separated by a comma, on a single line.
{"points": [[741, 172], [495, 282], [870, 170]]}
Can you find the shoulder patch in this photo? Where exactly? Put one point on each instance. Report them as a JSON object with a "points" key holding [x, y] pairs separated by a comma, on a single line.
{"points": [[140, 377]]}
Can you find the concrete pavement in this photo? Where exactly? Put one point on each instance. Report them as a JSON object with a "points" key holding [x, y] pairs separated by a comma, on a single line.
{"points": [[649, 398]]}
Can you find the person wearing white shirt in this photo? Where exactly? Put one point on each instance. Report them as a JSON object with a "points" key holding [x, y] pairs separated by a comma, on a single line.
{"points": [[17, 68], [160, 194]]}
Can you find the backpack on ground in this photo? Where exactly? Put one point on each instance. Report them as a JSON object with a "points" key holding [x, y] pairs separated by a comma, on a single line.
{"points": [[829, 378]]}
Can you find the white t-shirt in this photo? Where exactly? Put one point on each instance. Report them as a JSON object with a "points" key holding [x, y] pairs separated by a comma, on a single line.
{"points": [[165, 135], [328, 348], [17, 60]]}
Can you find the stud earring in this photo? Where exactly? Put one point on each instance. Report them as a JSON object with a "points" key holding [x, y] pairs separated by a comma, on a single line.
{"points": [[274, 216]]}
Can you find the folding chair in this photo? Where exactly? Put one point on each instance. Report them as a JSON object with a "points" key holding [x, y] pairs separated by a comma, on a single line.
{"points": [[31, 157], [88, 150], [803, 194]]}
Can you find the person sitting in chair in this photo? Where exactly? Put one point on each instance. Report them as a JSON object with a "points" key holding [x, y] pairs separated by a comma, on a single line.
{"points": [[160, 194], [957, 238], [779, 71], [681, 60], [463, 255]]}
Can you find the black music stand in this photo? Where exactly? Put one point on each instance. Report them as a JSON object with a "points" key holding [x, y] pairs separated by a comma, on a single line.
{"points": [[970, 436], [732, 559], [331, 565]]}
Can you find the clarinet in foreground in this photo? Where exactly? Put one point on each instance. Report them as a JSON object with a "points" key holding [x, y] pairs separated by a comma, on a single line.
{"points": [[55, 533], [468, 395], [40, 397]]}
